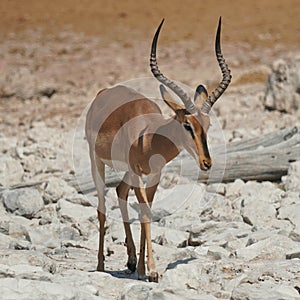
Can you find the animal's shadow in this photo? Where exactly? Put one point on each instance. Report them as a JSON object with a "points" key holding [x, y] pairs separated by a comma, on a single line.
{"points": [[127, 274]]}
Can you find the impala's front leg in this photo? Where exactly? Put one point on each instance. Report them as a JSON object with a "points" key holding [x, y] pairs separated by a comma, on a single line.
{"points": [[146, 230], [152, 183]]}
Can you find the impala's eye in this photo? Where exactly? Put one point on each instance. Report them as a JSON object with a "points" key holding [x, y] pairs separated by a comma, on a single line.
{"points": [[188, 127]]}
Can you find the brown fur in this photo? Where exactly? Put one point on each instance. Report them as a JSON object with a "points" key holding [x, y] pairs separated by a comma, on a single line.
{"points": [[124, 126]]}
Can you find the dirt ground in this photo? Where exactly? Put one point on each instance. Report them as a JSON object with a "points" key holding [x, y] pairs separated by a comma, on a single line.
{"points": [[82, 46], [264, 22]]}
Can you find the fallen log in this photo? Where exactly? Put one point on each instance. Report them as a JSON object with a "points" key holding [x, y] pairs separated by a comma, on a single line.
{"points": [[262, 158], [22, 185]]}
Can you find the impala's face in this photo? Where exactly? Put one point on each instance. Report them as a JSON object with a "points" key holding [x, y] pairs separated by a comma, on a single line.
{"points": [[195, 138], [194, 126]]}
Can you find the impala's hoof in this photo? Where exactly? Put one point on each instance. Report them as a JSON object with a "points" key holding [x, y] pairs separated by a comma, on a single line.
{"points": [[142, 277], [131, 263], [153, 277]]}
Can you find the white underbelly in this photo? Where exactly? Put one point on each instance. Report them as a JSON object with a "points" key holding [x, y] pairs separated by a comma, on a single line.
{"points": [[116, 164]]}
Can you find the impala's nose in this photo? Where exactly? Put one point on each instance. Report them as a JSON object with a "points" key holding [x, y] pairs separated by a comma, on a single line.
{"points": [[206, 165]]}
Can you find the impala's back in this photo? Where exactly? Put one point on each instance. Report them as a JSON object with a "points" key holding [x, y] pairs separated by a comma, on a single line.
{"points": [[116, 120]]}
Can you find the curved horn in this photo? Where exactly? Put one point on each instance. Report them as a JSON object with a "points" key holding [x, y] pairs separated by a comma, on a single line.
{"points": [[215, 95], [189, 105]]}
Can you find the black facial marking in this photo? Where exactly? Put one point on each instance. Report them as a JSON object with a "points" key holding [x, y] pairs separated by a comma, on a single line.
{"points": [[188, 127], [204, 143]]}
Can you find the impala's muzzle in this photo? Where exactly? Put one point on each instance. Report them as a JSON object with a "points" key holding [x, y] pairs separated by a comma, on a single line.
{"points": [[205, 164]]}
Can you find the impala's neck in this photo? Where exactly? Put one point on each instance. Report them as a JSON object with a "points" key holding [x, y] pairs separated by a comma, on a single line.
{"points": [[167, 140]]}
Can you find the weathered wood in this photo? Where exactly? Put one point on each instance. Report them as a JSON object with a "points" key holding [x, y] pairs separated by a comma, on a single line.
{"points": [[267, 140], [22, 185], [261, 158]]}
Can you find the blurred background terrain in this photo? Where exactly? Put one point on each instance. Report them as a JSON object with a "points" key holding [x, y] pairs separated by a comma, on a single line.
{"points": [[68, 50], [263, 22]]}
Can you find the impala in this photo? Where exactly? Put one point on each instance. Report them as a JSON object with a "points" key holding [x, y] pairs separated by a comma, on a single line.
{"points": [[128, 132]]}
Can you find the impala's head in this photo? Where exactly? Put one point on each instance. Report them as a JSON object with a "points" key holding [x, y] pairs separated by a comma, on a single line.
{"points": [[194, 115], [194, 126]]}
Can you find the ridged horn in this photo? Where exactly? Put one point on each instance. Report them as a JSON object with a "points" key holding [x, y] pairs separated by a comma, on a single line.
{"points": [[188, 103], [215, 95]]}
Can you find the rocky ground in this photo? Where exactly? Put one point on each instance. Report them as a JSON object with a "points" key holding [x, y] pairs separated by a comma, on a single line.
{"points": [[234, 241]]}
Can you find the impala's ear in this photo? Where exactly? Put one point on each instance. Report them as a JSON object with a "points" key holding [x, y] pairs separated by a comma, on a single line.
{"points": [[169, 100], [200, 96]]}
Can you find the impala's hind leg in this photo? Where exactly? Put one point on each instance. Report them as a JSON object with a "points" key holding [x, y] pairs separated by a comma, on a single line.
{"points": [[98, 173], [122, 192]]}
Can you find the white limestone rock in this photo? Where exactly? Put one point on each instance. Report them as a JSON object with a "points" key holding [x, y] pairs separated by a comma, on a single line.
{"points": [[259, 202], [11, 171], [170, 237], [5, 241], [7, 144], [291, 213], [75, 213], [273, 248], [24, 201], [56, 189], [282, 91], [51, 235], [233, 189], [180, 198], [14, 288], [292, 180], [264, 291]]}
